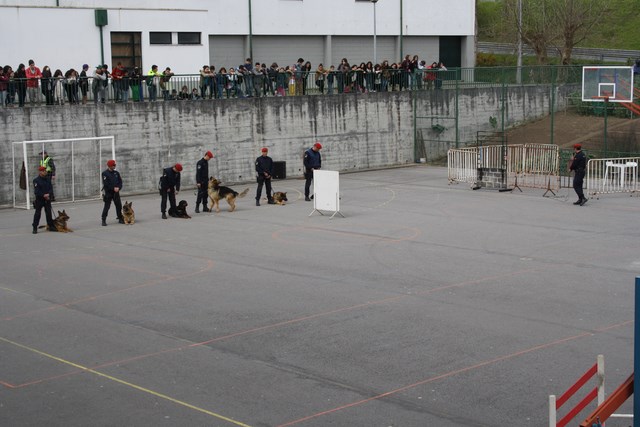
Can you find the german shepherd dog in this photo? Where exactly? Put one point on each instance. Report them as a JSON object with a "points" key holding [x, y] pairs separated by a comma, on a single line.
{"points": [[217, 192], [181, 210], [128, 214], [280, 198], [60, 222]]}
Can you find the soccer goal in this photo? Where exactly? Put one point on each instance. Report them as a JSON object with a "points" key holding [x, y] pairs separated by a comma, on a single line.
{"points": [[78, 163]]}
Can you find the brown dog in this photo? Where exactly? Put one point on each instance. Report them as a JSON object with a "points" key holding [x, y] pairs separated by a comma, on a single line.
{"points": [[128, 214], [280, 198], [60, 222], [217, 192]]}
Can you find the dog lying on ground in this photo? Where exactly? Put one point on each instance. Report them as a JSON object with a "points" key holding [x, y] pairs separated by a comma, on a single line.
{"points": [[280, 198], [217, 192], [180, 211], [60, 222], [128, 214]]}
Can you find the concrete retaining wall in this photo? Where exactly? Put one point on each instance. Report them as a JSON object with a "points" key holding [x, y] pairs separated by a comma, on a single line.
{"points": [[358, 132]]}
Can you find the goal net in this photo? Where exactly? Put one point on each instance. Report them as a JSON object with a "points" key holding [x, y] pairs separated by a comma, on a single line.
{"points": [[78, 162]]}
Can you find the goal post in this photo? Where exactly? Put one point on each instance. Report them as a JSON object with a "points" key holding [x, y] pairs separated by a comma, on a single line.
{"points": [[78, 162]]}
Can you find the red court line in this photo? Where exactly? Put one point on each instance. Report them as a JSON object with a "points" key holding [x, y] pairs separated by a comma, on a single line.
{"points": [[278, 324], [456, 372], [163, 278]]}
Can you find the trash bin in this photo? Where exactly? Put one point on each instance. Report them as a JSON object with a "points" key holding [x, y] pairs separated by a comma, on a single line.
{"points": [[279, 170]]}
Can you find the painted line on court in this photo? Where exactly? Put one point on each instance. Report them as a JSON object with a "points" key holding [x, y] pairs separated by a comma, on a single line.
{"points": [[278, 324], [157, 281], [125, 383], [456, 372]]}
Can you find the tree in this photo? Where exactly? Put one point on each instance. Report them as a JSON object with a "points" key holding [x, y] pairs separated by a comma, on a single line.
{"points": [[559, 24], [576, 19]]}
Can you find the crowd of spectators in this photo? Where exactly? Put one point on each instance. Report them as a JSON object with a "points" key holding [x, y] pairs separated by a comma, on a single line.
{"points": [[32, 85]]}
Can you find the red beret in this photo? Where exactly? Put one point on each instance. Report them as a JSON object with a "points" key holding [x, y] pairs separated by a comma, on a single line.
{"points": [[265, 149], [111, 163], [577, 146], [318, 145], [42, 168], [209, 154], [178, 167]]}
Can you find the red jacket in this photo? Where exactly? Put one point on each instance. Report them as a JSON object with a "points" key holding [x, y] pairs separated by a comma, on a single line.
{"points": [[118, 73], [33, 76]]}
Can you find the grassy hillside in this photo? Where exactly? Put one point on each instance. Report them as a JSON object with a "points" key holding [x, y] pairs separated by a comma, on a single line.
{"points": [[619, 28]]}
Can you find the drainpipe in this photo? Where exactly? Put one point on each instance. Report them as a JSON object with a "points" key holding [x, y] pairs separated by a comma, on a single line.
{"points": [[250, 33], [401, 25]]}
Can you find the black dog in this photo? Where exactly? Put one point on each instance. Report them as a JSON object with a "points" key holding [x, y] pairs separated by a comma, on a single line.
{"points": [[181, 210]]}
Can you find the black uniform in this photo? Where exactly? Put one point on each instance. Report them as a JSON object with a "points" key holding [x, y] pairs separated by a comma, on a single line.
{"points": [[202, 178], [42, 186], [264, 171], [312, 160], [110, 180], [578, 165], [48, 163], [169, 184]]}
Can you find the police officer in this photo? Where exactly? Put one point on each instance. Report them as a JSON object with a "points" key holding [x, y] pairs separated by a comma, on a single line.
{"points": [[111, 185], [312, 160], [42, 187], [47, 162], [578, 166], [169, 187], [264, 170], [202, 178]]}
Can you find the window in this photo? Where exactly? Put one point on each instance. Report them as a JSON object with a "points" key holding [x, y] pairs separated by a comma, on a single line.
{"points": [[189, 38], [126, 48], [159, 38]]}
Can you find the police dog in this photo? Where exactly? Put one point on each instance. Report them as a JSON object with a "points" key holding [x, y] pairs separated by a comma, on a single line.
{"points": [[217, 192], [60, 223], [280, 198], [180, 211], [128, 214]]}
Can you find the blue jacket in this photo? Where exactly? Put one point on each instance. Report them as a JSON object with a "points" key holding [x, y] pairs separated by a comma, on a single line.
{"points": [[170, 179], [202, 171], [312, 159], [264, 164], [111, 179], [42, 186]]}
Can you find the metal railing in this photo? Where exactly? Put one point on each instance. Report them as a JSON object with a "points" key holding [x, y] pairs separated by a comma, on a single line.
{"points": [[613, 55], [57, 91], [612, 175]]}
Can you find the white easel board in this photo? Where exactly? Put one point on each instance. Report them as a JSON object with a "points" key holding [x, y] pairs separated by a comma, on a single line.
{"points": [[326, 190]]}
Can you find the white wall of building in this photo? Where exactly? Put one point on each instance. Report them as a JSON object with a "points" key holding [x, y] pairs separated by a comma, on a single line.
{"points": [[65, 36]]}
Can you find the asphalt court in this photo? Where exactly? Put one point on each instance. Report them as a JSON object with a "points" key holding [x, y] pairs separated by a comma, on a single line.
{"points": [[428, 305]]}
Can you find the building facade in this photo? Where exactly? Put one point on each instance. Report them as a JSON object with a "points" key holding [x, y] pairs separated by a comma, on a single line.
{"points": [[187, 34]]}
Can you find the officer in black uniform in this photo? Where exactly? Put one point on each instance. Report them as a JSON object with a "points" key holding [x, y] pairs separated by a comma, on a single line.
{"points": [[111, 185], [264, 171], [312, 160], [578, 166], [202, 180], [169, 187], [42, 187], [48, 163]]}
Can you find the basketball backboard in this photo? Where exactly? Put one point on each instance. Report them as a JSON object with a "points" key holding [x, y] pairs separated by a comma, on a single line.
{"points": [[601, 83]]}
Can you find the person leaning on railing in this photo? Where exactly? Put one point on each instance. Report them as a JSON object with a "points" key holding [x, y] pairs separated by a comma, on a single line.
{"points": [[321, 75], [46, 85], [84, 83]]}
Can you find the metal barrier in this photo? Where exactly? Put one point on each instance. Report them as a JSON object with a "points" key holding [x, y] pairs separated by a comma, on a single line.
{"points": [[463, 165], [614, 175], [597, 392], [528, 165]]}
